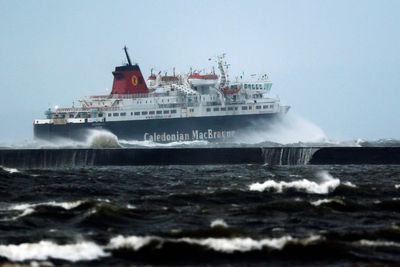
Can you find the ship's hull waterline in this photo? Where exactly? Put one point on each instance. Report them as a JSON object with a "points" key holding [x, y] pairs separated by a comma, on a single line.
{"points": [[211, 128]]}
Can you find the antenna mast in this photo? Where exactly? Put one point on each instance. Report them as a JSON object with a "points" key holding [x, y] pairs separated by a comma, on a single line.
{"points": [[127, 56]]}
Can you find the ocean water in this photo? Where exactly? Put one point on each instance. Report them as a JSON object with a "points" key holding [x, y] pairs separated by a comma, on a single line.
{"points": [[201, 215]]}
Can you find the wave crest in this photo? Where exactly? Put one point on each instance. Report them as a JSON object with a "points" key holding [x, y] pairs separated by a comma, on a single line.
{"points": [[9, 170], [218, 223], [86, 250], [135, 143], [225, 245], [43, 250], [27, 209], [102, 139], [327, 185]]}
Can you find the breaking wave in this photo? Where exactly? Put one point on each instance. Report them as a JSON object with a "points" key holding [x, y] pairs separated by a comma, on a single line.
{"points": [[291, 129], [225, 245], [349, 184], [86, 250], [326, 185], [218, 223], [27, 209], [102, 139], [93, 139], [134, 143], [44, 250], [9, 170], [64, 205], [325, 201]]}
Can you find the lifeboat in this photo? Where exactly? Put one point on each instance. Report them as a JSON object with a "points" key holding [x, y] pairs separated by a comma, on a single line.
{"points": [[197, 79], [169, 79], [163, 78], [152, 77], [151, 80], [233, 89]]}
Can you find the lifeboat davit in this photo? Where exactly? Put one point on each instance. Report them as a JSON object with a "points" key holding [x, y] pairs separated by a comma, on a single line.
{"points": [[197, 79]]}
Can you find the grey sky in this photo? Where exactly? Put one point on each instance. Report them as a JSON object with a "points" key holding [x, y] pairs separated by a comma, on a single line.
{"points": [[336, 63]]}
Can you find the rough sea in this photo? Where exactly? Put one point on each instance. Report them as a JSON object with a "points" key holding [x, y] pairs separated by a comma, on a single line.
{"points": [[201, 215]]}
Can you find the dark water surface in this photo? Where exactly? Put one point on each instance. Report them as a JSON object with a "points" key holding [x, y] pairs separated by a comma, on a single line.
{"points": [[198, 215]]}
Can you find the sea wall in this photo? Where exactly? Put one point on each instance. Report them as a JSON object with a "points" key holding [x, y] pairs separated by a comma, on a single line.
{"points": [[50, 158], [55, 158], [356, 155]]}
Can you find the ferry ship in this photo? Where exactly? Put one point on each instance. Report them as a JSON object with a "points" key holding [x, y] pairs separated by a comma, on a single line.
{"points": [[168, 108]]}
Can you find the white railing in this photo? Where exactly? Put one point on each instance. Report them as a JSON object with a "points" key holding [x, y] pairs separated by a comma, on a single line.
{"points": [[122, 96]]}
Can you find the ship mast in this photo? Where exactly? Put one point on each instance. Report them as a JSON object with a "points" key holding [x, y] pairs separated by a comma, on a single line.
{"points": [[224, 75], [127, 56]]}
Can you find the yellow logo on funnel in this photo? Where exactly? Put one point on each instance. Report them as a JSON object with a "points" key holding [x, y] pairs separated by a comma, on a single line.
{"points": [[134, 80]]}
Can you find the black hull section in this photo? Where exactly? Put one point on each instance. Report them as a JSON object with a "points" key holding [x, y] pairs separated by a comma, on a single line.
{"points": [[215, 128]]}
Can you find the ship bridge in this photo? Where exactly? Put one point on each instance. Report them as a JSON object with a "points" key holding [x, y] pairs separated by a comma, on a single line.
{"points": [[260, 86]]}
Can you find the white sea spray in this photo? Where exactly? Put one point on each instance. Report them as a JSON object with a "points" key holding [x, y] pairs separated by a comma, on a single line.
{"points": [[45, 250], [326, 185], [9, 170], [226, 245]]}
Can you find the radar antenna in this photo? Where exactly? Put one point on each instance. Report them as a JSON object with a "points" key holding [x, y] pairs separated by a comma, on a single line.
{"points": [[127, 56]]}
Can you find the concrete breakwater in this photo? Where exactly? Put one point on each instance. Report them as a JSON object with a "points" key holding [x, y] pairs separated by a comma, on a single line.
{"points": [[55, 158]]}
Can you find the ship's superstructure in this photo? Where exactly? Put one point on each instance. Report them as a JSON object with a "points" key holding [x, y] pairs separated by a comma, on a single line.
{"points": [[165, 108]]}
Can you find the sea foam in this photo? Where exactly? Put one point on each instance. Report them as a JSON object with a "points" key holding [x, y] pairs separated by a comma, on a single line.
{"points": [[225, 245], [9, 170], [44, 250], [64, 205], [102, 139], [326, 185], [135, 143], [86, 250]]}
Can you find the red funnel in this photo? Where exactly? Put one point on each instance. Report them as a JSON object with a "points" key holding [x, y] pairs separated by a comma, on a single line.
{"points": [[128, 79]]}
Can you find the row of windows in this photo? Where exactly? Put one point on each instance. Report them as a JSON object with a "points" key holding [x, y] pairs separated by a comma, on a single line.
{"points": [[150, 101], [243, 108], [137, 113], [222, 109], [173, 111], [253, 86], [258, 107]]}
